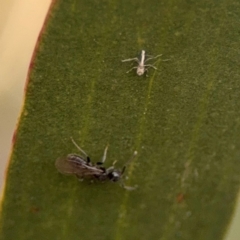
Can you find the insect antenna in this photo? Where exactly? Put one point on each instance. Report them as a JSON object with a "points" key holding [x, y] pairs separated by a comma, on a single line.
{"points": [[105, 154], [88, 158], [130, 160]]}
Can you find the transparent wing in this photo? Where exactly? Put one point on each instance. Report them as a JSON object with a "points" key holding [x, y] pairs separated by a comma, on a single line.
{"points": [[76, 165]]}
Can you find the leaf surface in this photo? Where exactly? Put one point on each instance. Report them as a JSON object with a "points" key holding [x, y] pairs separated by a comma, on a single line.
{"points": [[183, 119]]}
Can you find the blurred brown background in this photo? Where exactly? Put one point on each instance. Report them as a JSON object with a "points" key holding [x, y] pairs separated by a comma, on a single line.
{"points": [[20, 24]]}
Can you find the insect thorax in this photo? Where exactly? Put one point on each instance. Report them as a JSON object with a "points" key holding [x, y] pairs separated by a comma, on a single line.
{"points": [[114, 175]]}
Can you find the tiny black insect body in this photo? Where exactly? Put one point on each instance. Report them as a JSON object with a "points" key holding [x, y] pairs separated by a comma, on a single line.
{"points": [[83, 168]]}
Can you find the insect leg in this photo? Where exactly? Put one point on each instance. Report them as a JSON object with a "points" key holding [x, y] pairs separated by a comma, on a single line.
{"points": [[131, 59], [165, 60], [123, 169], [130, 160], [110, 169], [88, 159], [153, 57], [150, 65], [146, 71], [131, 69], [129, 188], [80, 179]]}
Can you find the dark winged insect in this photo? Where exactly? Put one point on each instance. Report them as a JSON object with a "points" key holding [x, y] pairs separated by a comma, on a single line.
{"points": [[83, 168]]}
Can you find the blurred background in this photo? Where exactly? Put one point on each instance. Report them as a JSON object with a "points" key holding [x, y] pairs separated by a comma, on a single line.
{"points": [[20, 24]]}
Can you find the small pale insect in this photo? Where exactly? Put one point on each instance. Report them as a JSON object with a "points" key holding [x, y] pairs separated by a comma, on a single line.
{"points": [[142, 66], [83, 168]]}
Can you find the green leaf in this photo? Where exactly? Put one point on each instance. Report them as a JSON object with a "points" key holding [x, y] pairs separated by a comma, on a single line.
{"points": [[183, 119]]}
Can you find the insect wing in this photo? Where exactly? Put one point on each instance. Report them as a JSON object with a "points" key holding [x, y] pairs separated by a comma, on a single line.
{"points": [[70, 164], [76, 165]]}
